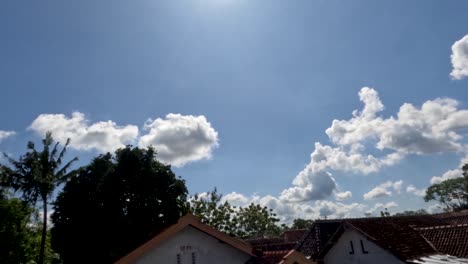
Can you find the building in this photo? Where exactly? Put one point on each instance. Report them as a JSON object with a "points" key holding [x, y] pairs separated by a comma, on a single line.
{"points": [[189, 241], [405, 239]]}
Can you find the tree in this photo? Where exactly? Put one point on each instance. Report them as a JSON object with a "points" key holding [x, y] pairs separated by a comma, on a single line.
{"points": [[253, 221], [115, 204], [212, 212], [412, 213], [36, 175], [13, 231], [256, 221], [300, 223], [385, 213], [451, 193]]}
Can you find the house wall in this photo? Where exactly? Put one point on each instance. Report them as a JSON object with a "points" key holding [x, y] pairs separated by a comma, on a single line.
{"points": [[207, 249], [339, 253]]}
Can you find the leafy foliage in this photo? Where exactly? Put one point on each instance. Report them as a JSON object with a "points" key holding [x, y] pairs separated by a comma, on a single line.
{"points": [[36, 175], [256, 221], [212, 212], [451, 193], [300, 223], [114, 204], [252, 221], [411, 213]]}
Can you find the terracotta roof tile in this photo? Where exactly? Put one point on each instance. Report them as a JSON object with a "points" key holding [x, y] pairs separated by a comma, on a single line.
{"points": [[451, 240]]}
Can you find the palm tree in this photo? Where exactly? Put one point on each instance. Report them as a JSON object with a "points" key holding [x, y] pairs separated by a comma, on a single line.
{"points": [[36, 175]]}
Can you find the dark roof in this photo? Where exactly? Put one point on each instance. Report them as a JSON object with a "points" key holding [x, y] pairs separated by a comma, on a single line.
{"points": [[399, 238], [286, 241], [321, 231], [293, 235], [454, 218], [451, 240]]}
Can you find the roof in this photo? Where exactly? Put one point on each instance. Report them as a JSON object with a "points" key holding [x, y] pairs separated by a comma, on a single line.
{"points": [[185, 221], [452, 239], [286, 241], [440, 259], [283, 257], [400, 239], [321, 231], [293, 235], [454, 218]]}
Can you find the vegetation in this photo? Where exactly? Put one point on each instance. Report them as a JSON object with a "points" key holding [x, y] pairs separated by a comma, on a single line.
{"points": [[36, 175], [114, 204], [252, 221], [451, 193], [300, 223]]}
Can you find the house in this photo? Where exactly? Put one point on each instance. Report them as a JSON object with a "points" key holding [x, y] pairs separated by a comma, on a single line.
{"points": [[405, 239], [189, 241]]}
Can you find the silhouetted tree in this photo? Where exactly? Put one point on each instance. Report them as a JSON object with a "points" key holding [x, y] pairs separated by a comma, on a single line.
{"points": [[36, 175], [115, 204]]}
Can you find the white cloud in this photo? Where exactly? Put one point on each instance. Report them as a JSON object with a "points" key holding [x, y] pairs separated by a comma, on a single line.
{"points": [[102, 136], [309, 185], [5, 134], [381, 206], [431, 128], [451, 174], [341, 196], [459, 58], [180, 139], [415, 191], [384, 190], [288, 211]]}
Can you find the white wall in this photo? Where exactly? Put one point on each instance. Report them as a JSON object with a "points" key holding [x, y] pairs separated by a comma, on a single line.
{"points": [[339, 253], [208, 250]]}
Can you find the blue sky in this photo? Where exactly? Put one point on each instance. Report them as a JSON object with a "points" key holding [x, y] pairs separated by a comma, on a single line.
{"points": [[236, 93]]}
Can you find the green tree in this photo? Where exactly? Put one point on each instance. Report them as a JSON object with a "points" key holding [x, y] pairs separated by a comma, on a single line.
{"points": [[115, 204], [451, 193], [36, 175], [300, 223], [411, 213], [213, 212], [255, 221], [385, 213], [14, 236]]}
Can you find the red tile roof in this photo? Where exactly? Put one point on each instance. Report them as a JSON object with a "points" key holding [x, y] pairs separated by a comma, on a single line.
{"points": [[451, 240]]}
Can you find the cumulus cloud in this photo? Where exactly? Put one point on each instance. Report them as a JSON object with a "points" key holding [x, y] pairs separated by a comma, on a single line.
{"points": [[180, 139], [450, 174], [381, 206], [310, 185], [288, 211], [431, 128], [384, 190], [341, 196], [434, 127], [413, 190], [5, 134], [459, 58], [102, 136]]}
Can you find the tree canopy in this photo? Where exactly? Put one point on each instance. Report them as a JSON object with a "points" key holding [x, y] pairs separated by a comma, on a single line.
{"points": [[114, 204], [36, 175], [451, 193], [252, 221]]}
